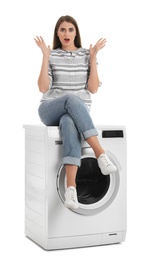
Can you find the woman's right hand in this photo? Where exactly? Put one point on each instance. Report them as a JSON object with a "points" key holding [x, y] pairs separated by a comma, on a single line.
{"points": [[41, 44]]}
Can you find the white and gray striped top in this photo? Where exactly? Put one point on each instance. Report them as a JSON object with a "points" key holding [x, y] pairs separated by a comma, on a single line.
{"points": [[69, 73]]}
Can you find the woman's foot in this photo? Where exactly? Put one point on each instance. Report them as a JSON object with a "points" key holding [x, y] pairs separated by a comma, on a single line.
{"points": [[106, 166], [71, 200]]}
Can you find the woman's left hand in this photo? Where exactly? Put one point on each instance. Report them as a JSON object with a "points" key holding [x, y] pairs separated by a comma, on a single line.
{"points": [[98, 46]]}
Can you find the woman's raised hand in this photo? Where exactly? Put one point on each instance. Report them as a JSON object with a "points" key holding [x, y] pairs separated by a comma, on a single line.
{"points": [[41, 44], [98, 46]]}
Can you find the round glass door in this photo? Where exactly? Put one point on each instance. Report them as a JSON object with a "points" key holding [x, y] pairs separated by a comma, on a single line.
{"points": [[92, 185], [95, 191]]}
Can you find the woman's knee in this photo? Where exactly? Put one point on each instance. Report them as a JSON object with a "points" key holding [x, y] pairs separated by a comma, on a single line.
{"points": [[71, 98], [66, 121]]}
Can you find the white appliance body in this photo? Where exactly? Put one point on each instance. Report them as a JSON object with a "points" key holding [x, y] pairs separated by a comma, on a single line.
{"points": [[101, 217]]}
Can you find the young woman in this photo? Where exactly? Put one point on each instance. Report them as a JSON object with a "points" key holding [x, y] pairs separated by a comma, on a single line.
{"points": [[68, 75]]}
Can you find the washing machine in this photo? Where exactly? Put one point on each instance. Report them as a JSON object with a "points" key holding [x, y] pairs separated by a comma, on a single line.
{"points": [[101, 216]]}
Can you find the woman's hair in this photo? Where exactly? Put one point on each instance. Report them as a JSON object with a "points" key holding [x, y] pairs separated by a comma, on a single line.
{"points": [[69, 19]]}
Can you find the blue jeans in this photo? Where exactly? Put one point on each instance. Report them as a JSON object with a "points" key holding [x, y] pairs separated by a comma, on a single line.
{"points": [[72, 116]]}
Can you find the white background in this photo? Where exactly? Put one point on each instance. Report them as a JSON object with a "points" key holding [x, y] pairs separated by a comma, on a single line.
{"points": [[124, 99]]}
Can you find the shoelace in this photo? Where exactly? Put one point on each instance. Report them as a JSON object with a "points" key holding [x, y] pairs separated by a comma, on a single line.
{"points": [[72, 195], [106, 161]]}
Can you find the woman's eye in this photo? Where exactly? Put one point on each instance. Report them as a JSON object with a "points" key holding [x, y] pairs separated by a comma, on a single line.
{"points": [[71, 29], [62, 30]]}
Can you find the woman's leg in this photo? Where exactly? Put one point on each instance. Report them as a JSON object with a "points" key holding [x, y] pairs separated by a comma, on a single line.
{"points": [[71, 157], [71, 172], [71, 148], [71, 139], [95, 145]]}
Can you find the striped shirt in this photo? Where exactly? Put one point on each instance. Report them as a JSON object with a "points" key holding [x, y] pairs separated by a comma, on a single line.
{"points": [[68, 73]]}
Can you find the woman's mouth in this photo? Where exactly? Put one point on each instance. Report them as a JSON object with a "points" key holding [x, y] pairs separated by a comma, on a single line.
{"points": [[66, 40]]}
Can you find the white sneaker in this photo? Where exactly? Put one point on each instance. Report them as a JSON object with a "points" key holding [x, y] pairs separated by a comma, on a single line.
{"points": [[106, 166], [71, 200]]}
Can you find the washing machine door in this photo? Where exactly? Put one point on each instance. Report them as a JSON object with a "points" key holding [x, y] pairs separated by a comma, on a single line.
{"points": [[95, 191]]}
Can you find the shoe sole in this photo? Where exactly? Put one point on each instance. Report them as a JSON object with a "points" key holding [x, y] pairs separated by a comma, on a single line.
{"points": [[108, 173], [71, 207]]}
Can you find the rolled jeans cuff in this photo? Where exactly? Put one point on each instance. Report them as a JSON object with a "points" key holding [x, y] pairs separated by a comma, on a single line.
{"points": [[89, 133], [71, 160]]}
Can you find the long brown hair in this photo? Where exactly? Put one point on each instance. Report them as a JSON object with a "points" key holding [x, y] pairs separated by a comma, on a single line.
{"points": [[69, 19]]}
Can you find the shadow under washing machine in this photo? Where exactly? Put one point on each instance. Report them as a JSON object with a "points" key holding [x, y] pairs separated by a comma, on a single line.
{"points": [[101, 217]]}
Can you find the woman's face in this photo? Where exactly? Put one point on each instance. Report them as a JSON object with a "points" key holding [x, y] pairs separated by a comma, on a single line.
{"points": [[67, 33]]}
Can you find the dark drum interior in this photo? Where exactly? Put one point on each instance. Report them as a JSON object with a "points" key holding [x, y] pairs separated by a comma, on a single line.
{"points": [[92, 185]]}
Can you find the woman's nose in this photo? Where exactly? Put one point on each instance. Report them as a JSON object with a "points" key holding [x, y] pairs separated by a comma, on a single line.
{"points": [[66, 33]]}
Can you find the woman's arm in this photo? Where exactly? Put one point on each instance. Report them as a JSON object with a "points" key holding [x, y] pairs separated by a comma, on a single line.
{"points": [[93, 81], [43, 80]]}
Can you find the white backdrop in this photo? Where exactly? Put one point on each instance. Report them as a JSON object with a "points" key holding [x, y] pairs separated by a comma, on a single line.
{"points": [[123, 99]]}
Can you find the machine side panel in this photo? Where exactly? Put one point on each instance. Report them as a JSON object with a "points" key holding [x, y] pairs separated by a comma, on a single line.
{"points": [[35, 168]]}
